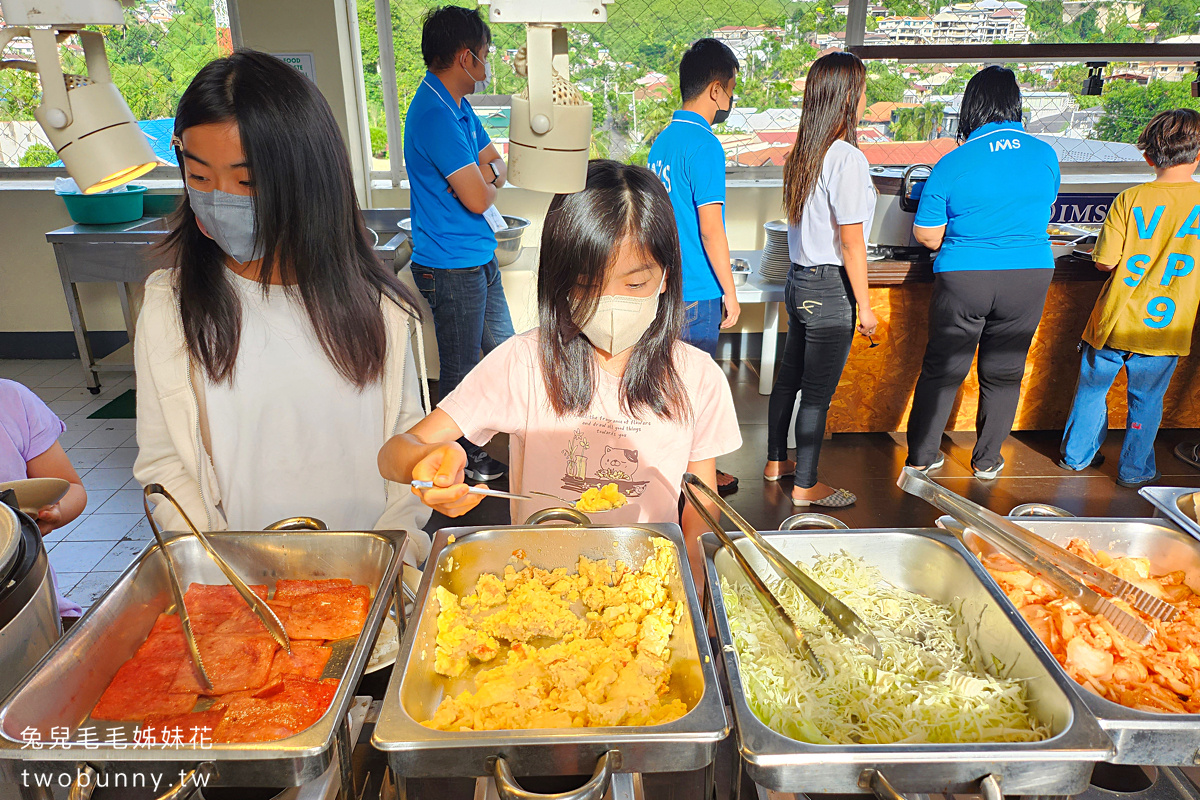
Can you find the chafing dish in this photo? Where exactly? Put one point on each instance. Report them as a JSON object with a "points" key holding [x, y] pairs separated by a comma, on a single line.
{"points": [[1140, 737], [56, 699], [938, 566], [1179, 504], [415, 691]]}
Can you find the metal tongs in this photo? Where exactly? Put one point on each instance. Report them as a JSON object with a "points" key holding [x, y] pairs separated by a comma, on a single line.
{"points": [[257, 604], [838, 612], [792, 634], [1027, 549]]}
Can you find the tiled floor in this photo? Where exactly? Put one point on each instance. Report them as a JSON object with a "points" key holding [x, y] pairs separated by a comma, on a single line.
{"points": [[89, 553]]}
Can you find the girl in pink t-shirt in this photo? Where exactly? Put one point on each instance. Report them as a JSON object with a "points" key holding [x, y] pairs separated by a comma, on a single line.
{"points": [[602, 391]]}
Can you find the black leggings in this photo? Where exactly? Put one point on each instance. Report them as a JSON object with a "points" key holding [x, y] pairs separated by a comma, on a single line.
{"points": [[999, 311], [821, 317]]}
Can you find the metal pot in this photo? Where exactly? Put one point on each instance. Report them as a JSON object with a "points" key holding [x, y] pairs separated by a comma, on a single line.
{"points": [[29, 621], [898, 193], [508, 241]]}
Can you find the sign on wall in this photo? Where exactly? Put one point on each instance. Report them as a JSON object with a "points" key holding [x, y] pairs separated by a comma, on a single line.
{"points": [[1081, 208], [302, 62]]}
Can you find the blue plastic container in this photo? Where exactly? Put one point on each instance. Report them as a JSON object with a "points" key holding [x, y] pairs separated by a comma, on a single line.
{"points": [[106, 209]]}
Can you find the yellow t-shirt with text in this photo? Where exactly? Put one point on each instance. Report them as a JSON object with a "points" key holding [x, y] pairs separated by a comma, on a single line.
{"points": [[1148, 306]]}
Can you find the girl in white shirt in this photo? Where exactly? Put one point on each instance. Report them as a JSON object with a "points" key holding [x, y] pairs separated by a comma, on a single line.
{"points": [[275, 356], [830, 203]]}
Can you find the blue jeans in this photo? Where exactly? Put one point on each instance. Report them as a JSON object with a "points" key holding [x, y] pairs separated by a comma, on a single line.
{"points": [[470, 316], [1087, 426], [702, 324]]}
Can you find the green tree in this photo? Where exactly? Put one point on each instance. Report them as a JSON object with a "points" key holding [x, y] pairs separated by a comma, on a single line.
{"points": [[1127, 107], [884, 83], [918, 124], [38, 155], [957, 83], [1174, 17]]}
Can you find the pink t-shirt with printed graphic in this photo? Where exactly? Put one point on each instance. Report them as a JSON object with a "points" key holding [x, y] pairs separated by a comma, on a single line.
{"points": [[563, 456]]}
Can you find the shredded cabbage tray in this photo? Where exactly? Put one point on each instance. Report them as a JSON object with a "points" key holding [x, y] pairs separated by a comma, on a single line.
{"points": [[926, 689]]}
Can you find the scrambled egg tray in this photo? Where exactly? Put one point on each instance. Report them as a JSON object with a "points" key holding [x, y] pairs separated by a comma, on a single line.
{"points": [[607, 667]]}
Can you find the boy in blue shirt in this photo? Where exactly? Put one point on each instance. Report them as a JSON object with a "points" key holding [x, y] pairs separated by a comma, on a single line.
{"points": [[1144, 316], [690, 161], [455, 173], [688, 158]]}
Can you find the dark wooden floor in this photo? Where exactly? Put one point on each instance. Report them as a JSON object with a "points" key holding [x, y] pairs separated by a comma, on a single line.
{"points": [[868, 463]]}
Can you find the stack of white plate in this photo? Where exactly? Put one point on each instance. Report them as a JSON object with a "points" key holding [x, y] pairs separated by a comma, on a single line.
{"points": [[775, 260]]}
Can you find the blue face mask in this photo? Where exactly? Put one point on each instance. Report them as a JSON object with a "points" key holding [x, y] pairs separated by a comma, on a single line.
{"points": [[229, 221]]}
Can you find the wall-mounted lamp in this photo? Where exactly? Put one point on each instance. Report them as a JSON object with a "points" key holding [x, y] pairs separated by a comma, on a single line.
{"points": [[85, 118], [1094, 84]]}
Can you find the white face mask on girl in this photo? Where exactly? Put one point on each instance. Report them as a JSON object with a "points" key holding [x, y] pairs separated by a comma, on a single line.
{"points": [[619, 321], [480, 86]]}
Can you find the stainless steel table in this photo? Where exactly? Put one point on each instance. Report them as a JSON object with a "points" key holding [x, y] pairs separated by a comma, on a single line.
{"points": [[118, 254], [124, 254], [756, 290]]}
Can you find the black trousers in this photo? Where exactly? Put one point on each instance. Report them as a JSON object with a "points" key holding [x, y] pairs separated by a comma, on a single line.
{"points": [[821, 319], [998, 311]]}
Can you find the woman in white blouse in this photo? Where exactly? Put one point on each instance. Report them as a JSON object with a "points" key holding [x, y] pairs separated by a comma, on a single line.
{"points": [[275, 356], [830, 203]]}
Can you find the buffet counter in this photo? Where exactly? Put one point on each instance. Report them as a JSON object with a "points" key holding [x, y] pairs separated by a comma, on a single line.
{"points": [[875, 392]]}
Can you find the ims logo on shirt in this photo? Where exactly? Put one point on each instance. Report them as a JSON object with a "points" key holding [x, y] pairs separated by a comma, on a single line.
{"points": [[663, 171], [997, 145]]}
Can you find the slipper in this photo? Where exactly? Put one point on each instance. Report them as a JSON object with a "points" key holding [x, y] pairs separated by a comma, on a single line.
{"points": [[938, 463], [1141, 483], [991, 472], [726, 483], [782, 475], [839, 499], [1188, 453]]}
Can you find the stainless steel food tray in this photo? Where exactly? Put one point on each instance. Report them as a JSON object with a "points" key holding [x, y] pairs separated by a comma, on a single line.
{"points": [[415, 690], [936, 565], [1140, 737], [61, 691], [1179, 504]]}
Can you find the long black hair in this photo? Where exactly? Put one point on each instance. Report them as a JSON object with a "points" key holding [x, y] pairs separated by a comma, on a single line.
{"points": [[992, 95], [832, 90], [580, 240], [310, 229]]}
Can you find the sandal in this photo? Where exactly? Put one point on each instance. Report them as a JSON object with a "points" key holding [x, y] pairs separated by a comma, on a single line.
{"points": [[839, 499], [1188, 453], [726, 483], [781, 475]]}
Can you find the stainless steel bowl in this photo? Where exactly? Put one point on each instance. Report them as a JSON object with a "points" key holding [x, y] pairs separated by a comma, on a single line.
{"points": [[508, 241], [741, 271]]}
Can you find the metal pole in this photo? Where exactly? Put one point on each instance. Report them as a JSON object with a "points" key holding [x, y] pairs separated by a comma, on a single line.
{"points": [[360, 97], [391, 97], [856, 23]]}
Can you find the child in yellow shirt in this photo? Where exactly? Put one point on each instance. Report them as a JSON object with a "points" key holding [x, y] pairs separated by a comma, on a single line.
{"points": [[1144, 316]]}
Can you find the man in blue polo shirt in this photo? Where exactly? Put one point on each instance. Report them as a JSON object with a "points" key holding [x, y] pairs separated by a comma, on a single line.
{"points": [[986, 206], [455, 171], [688, 158]]}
